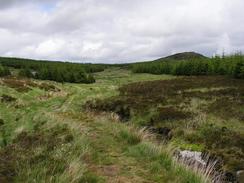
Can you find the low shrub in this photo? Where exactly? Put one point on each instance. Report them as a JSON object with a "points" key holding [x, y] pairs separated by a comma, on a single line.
{"points": [[4, 71], [3, 135], [7, 98], [170, 113], [117, 106], [26, 73], [221, 142], [39, 150], [239, 70], [48, 87], [17, 84], [228, 107]]}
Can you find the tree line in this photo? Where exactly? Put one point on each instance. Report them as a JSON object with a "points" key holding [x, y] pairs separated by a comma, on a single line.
{"points": [[232, 65], [56, 71]]}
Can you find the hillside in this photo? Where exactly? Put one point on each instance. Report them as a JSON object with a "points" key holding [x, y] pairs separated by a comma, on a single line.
{"points": [[183, 56], [193, 64]]}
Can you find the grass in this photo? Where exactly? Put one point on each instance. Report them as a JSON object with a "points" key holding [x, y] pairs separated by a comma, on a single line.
{"points": [[50, 137], [193, 111], [149, 161]]}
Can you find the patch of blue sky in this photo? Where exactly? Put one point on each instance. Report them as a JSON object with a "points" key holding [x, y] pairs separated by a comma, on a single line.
{"points": [[47, 6]]}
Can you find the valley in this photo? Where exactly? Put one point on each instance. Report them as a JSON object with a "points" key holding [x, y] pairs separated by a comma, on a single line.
{"points": [[125, 127]]}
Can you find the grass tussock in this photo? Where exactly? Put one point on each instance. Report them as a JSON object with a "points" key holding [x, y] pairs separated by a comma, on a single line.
{"points": [[54, 155], [161, 161], [132, 135], [143, 146]]}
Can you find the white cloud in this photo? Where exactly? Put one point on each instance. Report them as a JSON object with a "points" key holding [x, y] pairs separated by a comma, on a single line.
{"points": [[116, 31]]}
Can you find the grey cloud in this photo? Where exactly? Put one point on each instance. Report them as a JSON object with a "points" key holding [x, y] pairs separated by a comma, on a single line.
{"points": [[116, 31]]}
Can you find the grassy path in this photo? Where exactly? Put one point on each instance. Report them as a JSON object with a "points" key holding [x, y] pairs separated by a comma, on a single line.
{"points": [[56, 141], [119, 154]]}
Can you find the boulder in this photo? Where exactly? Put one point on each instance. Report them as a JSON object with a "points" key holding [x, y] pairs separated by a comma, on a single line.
{"points": [[192, 157], [240, 176]]}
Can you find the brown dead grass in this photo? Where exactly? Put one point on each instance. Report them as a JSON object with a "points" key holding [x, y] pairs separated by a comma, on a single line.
{"points": [[25, 85], [17, 84]]}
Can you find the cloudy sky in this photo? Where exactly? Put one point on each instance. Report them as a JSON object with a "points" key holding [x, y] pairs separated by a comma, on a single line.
{"points": [[115, 31]]}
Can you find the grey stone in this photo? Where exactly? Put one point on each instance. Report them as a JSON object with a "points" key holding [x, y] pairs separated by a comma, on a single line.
{"points": [[193, 156], [240, 176]]}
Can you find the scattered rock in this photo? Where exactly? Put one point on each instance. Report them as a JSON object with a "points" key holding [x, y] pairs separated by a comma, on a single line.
{"points": [[240, 176]]}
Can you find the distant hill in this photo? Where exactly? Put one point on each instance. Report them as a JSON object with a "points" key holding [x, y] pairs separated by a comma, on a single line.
{"points": [[182, 56]]}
